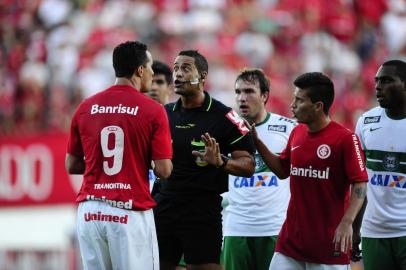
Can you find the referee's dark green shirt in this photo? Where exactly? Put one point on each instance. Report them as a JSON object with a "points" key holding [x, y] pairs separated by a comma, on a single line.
{"points": [[191, 175]]}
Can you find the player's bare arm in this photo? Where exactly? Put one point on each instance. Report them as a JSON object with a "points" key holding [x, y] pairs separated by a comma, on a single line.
{"points": [[74, 164], [356, 237], [163, 168], [343, 234], [271, 160], [241, 163]]}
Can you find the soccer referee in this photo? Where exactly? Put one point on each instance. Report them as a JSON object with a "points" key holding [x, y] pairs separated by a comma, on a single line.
{"points": [[205, 133]]}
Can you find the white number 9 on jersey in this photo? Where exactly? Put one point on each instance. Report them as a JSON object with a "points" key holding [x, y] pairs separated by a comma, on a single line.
{"points": [[116, 151]]}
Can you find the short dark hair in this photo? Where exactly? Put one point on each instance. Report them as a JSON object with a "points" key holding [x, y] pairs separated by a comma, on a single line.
{"points": [[319, 87], [161, 68], [400, 68], [128, 56], [200, 60], [254, 74]]}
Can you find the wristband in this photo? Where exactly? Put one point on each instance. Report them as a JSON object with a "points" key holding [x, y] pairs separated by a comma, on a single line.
{"points": [[225, 160]]}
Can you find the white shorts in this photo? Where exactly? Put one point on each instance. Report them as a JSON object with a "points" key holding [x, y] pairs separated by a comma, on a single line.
{"points": [[282, 262], [114, 238]]}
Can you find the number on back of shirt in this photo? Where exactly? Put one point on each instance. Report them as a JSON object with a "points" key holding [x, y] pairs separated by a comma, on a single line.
{"points": [[116, 151]]}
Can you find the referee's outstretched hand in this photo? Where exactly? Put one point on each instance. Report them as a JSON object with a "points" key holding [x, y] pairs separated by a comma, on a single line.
{"points": [[211, 152]]}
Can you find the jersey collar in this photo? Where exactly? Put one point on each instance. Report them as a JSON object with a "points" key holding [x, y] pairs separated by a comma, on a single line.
{"points": [[206, 106], [268, 114]]}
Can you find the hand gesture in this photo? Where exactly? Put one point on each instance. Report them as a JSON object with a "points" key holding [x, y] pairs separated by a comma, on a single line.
{"points": [[211, 152], [252, 128]]}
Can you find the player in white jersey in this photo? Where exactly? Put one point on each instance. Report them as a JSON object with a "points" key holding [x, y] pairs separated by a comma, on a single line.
{"points": [[257, 205], [382, 133], [160, 91]]}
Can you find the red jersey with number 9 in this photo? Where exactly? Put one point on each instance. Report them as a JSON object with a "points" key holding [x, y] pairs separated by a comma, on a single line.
{"points": [[118, 132]]}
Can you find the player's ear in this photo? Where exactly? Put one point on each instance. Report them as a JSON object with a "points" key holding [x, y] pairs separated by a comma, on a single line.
{"points": [[319, 106], [265, 96], [140, 71], [203, 76]]}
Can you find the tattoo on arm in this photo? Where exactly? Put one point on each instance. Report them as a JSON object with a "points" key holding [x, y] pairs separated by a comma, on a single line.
{"points": [[360, 192]]}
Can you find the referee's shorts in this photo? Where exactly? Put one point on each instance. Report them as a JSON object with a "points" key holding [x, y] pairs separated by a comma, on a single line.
{"points": [[189, 225]]}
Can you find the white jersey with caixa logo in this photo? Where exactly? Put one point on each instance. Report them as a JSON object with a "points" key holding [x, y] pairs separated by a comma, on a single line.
{"points": [[258, 204], [384, 143]]}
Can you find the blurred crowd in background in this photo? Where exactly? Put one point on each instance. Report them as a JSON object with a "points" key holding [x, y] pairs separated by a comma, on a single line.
{"points": [[54, 53]]}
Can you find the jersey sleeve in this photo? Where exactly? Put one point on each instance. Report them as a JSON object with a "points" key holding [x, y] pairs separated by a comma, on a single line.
{"points": [[161, 136], [358, 131], [354, 163], [238, 135], [74, 144]]}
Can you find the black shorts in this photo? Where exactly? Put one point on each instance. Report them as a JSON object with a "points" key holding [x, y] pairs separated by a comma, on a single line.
{"points": [[189, 225]]}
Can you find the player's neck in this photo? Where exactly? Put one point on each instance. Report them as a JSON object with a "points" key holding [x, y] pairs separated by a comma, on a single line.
{"points": [[195, 101], [319, 123], [127, 81], [260, 117], [396, 113]]}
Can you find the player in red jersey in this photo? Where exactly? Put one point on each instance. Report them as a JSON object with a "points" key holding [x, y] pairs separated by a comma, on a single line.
{"points": [[327, 182], [114, 135]]}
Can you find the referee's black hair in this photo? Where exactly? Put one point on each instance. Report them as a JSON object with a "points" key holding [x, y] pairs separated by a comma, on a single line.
{"points": [[200, 60], [128, 56], [319, 88], [400, 68], [161, 68]]}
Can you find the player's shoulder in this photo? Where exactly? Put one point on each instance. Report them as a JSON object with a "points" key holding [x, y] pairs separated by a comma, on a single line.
{"points": [[217, 106], [374, 115], [282, 120], [277, 123], [341, 132], [170, 107]]}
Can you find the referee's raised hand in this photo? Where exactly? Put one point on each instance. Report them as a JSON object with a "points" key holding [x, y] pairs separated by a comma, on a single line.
{"points": [[211, 152]]}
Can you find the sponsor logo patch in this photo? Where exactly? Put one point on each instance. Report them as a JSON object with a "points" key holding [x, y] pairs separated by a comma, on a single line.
{"points": [[255, 181], [388, 180], [373, 129], [372, 119], [310, 172], [96, 108], [287, 120], [278, 128], [119, 204], [238, 121], [199, 146], [358, 152], [105, 217]]}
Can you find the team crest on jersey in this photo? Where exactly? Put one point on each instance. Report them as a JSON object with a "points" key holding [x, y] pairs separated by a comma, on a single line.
{"points": [[372, 119], [278, 128], [238, 121], [323, 151], [390, 162]]}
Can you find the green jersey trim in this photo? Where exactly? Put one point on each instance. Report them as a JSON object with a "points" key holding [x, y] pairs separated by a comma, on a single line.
{"points": [[236, 140], [268, 115], [208, 107], [380, 155], [386, 161]]}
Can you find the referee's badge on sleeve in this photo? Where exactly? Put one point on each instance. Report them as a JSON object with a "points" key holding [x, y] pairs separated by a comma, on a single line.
{"points": [[238, 121]]}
